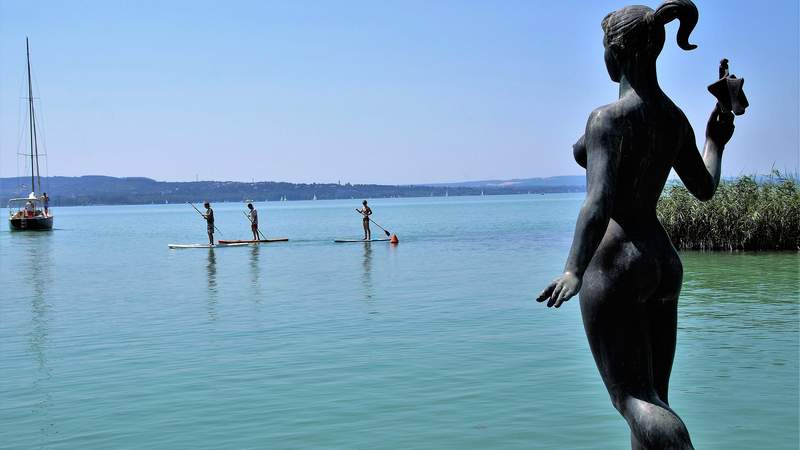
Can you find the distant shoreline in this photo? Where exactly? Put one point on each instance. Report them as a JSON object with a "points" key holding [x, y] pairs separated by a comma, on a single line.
{"points": [[102, 190], [223, 202]]}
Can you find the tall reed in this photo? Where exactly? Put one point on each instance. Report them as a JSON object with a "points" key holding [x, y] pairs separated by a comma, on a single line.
{"points": [[745, 214]]}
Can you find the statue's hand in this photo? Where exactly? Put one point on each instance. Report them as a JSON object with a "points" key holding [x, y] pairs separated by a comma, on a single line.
{"points": [[720, 127], [560, 290]]}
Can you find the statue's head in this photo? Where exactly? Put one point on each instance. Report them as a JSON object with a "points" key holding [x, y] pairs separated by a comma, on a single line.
{"points": [[635, 34]]}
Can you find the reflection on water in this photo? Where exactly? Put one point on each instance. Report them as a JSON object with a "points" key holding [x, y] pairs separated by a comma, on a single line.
{"points": [[211, 268], [366, 277], [254, 273], [719, 283], [738, 323], [742, 271], [37, 277]]}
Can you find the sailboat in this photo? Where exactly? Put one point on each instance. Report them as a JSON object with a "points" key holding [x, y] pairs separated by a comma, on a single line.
{"points": [[31, 212]]}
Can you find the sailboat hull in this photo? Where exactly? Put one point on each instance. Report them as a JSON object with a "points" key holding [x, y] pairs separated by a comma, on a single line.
{"points": [[31, 223]]}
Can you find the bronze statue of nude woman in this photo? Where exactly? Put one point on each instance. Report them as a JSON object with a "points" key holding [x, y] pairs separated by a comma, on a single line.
{"points": [[622, 261]]}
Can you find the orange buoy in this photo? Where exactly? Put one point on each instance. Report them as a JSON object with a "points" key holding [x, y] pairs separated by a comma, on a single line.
{"points": [[393, 239]]}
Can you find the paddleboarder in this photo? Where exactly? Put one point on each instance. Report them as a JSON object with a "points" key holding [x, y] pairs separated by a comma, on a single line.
{"points": [[209, 216], [253, 216], [365, 213]]}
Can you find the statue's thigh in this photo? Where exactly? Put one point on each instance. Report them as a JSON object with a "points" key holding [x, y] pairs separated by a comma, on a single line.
{"points": [[617, 324]]}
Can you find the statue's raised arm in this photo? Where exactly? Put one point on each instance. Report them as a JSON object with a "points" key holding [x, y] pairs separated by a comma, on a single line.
{"points": [[701, 175]]}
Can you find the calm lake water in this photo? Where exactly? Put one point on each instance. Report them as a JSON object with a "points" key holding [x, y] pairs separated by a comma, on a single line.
{"points": [[108, 339]]}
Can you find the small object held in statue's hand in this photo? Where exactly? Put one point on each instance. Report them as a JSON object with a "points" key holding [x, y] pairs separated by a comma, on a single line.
{"points": [[729, 91]]}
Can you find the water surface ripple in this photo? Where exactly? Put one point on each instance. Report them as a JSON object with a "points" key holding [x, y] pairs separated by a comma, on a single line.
{"points": [[110, 340]]}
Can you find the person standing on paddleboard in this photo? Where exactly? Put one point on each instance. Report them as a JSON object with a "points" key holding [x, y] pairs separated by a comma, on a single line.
{"points": [[209, 216], [365, 213], [253, 215]]}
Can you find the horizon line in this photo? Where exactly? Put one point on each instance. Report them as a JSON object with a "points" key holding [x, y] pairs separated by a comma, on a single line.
{"points": [[429, 183]]}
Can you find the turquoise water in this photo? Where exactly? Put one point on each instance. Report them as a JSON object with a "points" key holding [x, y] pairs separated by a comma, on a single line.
{"points": [[111, 340]]}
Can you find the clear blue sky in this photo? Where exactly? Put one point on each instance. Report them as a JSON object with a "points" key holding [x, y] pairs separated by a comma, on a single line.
{"points": [[387, 92]]}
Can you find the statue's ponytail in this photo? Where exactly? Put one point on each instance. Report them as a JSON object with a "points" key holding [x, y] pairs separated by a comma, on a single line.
{"points": [[683, 10]]}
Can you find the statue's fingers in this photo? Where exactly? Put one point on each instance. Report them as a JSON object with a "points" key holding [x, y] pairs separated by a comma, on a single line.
{"points": [[714, 114], [545, 294], [565, 295], [542, 296], [562, 297], [726, 117], [555, 294]]}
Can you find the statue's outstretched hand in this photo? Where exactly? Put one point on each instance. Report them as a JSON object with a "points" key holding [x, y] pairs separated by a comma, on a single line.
{"points": [[720, 127], [560, 290]]}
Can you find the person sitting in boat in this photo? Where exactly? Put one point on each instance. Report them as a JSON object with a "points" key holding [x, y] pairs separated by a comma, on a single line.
{"points": [[46, 203], [209, 216], [253, 215], [365, 213], [29, 209]]}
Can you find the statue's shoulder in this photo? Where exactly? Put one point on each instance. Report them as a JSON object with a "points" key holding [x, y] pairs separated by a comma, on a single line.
{"points": [[677, 117], [607, 119]]}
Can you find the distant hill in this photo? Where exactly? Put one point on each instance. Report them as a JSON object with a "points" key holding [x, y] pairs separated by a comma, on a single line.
{"points": [[103, 190], [559, 181]]}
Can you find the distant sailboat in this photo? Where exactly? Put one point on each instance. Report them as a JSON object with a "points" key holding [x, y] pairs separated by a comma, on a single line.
{"points": [[31, 212]]}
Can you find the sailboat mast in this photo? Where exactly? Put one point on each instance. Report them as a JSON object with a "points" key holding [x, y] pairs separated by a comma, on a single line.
{"points": [[30, 110], [36, 151]]}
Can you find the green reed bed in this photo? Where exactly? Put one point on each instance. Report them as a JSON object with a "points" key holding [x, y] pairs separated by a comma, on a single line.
{"points": [[744, 214]]}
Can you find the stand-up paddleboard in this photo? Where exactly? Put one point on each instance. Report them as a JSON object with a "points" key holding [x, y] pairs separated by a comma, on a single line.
{"points": [[340, 241], [260, 241], [206, 245]]}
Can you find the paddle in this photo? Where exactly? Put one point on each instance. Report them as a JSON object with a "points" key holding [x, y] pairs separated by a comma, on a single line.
{"points": [[376, 223], [251, 223], [203, 215]]}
